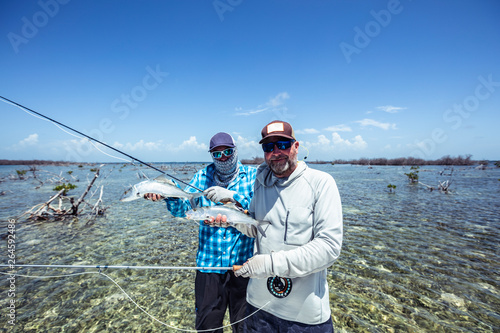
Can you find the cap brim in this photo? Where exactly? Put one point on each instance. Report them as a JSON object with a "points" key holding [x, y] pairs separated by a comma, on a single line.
{"points": [[225, 145], [276, 135]]}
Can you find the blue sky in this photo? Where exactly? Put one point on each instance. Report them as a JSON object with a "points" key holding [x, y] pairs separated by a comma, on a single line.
{"points": [[157, 79]]}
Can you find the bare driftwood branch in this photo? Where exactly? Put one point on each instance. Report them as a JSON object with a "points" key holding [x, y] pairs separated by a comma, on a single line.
{"points": [[444, 186], [74, 209], [96, 210], [430, 188], [33, 169], [43, 208]]}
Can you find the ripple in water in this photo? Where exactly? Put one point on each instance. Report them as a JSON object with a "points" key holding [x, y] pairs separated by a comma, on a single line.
{"points": [[412, 261]]}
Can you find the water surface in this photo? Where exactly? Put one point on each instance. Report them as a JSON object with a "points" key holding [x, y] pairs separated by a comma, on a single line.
{"points": [[412, 261]]}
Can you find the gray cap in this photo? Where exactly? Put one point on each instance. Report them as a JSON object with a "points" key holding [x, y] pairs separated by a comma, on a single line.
{"points": [[222, 139]]}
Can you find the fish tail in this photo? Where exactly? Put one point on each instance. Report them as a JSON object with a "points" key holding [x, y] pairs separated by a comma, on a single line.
{"points": [[193, 203], [194, 196], [259, 228], [197, 194]]}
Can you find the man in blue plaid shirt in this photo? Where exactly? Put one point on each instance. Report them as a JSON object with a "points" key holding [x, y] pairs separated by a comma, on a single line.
{"points": [[226, 179]]}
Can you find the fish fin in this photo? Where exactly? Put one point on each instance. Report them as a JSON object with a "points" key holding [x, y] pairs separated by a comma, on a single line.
{"points": [[193, 203], [232, 205], [142, 176], [165, 180]]}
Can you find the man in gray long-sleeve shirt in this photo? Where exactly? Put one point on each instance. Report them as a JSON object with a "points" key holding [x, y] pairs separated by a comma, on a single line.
{"points": [[301, 213]]}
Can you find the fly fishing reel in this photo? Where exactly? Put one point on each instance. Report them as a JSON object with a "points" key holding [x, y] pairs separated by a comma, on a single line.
{"points": [[279, 287]]}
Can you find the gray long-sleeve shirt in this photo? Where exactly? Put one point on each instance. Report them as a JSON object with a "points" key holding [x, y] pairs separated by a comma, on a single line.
{"points": [[304, 238]]}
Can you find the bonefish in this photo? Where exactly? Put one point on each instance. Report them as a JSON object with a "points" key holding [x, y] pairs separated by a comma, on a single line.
{"points": [[233, 214], [161, 186]]}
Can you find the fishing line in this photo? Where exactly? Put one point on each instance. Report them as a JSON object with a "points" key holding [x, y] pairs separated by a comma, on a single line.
{"points": [[306, 154], [125, 293], [91, 138], [123, 267], [65, 131]]}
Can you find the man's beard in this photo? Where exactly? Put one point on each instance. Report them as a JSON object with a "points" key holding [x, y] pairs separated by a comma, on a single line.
{"points": [[281, 167]]}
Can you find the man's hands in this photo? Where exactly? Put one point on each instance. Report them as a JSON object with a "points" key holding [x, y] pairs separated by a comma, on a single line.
{"points": [[214, 193], [259, 266], [219, 221], [153, 197], [219, 194]]}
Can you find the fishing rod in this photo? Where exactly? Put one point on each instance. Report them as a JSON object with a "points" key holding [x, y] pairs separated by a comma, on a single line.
{"points": [[126, 267], [102, 143], [12, 275]]}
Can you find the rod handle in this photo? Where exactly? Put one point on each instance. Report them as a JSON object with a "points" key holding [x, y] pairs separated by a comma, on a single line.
{"points": [[236, 267]]}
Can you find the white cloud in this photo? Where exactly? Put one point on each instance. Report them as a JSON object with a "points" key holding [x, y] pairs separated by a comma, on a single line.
{"points": [[356, 143], [422, 145], [192, 143], [251, 112], [31, 140], [248, 148], [339, 128], [242, 142], [278, 99], [307, 131], [274, 104], [336, 142], [371, 122], [141, 145], [323, 140], [390, 108]]}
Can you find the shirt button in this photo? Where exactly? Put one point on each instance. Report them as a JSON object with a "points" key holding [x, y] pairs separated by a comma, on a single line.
{"points": [[224, 252]]}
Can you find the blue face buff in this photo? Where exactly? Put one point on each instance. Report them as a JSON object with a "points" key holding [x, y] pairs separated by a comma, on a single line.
{"points": [[226, 171]]}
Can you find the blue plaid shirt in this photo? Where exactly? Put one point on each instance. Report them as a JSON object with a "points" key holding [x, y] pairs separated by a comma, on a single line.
{"points": [[219, 247]]}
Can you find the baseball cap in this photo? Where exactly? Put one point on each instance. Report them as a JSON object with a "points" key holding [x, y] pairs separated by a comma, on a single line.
{"points": [[277, 128], [221, 139]]}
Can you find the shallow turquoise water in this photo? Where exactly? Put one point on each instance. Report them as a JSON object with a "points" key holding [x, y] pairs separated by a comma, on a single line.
{"points": [[412, 261]]}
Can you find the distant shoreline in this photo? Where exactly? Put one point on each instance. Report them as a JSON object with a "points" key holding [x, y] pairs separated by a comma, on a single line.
{"points": [[38, 162], [401, 161], [60, 163]]}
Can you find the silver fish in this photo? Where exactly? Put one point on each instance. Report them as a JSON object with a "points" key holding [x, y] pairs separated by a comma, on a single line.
{"points": [[160, 185], [233, 214]]}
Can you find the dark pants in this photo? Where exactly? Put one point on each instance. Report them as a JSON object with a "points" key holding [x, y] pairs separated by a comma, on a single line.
{"points": [[214, 294], [263, 321]]}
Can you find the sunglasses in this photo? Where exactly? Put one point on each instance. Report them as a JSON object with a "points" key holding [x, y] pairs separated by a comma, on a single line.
{"points": [[282, 145], [226, 152]]}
